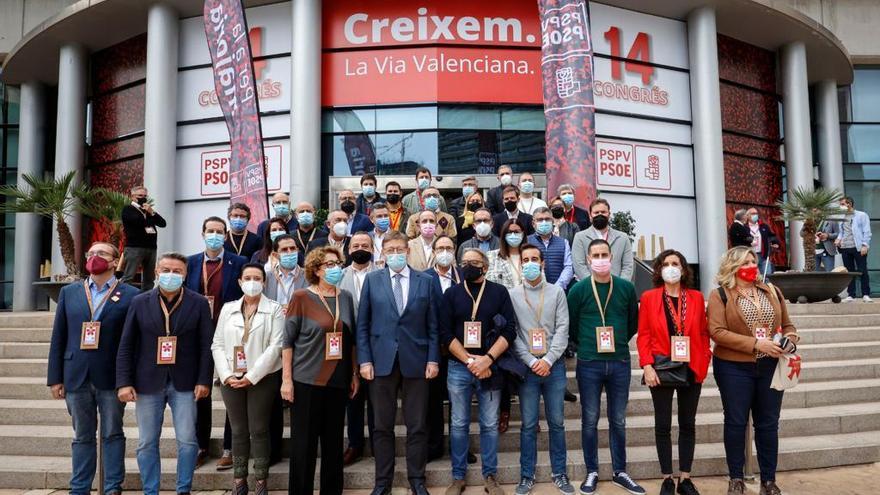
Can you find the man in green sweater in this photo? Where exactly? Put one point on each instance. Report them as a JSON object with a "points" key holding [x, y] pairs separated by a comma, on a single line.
{"points": [[604, 314]]}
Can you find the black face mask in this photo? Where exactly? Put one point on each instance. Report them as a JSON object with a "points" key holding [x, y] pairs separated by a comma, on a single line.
{"points": [[393, 198], [600, 221], [557, 211], [510, 206], [347, 207], [142, 201], [470, 273], [474, 206], [360, 256]]}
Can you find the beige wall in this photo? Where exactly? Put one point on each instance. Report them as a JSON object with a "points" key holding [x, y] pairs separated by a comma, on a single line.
{"points": [[17, 17], [855, 22]]}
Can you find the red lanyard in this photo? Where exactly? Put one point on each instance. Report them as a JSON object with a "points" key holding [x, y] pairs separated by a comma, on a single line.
{"points": [[678, 315]]}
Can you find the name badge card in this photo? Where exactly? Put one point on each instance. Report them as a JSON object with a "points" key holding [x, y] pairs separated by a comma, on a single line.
{"points": [[681, 349], [166, 351], [333, 346], [473, 334], [604, 339], [211, 304], [762, 333], [538, 341], [91, 334], [240, 359], [150, 230]]}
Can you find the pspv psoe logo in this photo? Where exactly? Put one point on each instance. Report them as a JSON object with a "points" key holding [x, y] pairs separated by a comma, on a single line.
{"points": [[266, 88]]}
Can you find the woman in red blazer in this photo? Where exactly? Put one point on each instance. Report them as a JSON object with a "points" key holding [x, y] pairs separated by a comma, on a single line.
{"points": [[673, 312]]}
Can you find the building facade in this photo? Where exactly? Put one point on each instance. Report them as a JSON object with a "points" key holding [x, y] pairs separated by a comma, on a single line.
{"points": [[703, 107]]}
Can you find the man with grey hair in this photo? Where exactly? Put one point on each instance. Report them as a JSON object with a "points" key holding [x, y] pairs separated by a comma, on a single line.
{"points": [[139, 222], [571, 212], [739, 232]]}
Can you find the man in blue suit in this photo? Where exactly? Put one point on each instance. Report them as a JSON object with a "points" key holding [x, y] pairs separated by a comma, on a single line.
{"points": [[356, 221], [214, 274], [398, 348], [165, 358], [82, 367]]}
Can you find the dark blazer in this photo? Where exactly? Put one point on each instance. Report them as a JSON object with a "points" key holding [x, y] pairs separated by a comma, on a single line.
{"points": [[581, 218], [232, 264], [385, 336], [323, 241], [72, 366], [524, 219], [252, 244], [494, 243], [363, 205], [456, 207], [191, 323], [494, 199], [361, 222], [740, 235], [431, 272], [767, 238], [292, 225], [302, 242]]}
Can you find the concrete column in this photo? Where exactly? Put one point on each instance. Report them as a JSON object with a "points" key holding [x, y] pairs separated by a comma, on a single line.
{"points": [[31, 159], [70, 136], [160, 118], [828, 129], [305, 102], [798, 147], [708, 151]]}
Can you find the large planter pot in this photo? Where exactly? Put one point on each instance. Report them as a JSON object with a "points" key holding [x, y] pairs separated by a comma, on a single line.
{"points": [[812, 286], [51, 288]]}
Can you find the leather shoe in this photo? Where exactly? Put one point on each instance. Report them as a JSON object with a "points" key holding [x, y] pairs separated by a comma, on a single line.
{"points": [[418, 489], [503, 421], [570, 397], [471, 458], [381, 490], [225, 461], [201, 458], [351, 456]]}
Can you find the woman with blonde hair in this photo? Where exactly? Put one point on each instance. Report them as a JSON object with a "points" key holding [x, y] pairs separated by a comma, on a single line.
{"points": [[464, 223], [749, 323]]}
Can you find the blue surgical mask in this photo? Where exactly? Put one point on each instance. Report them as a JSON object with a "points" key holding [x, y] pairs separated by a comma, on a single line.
{"points": [[369, 191], [432, 203], [514, 239], [238, 224], [754, 218], [466, 191], [568, 199], [383, 223], [170, 281], [281, 209], [531, 271], [214, 240], [424, 183], [275, 233], [333, 275], [305, 218], [527, 186], [544, 227], [396, 261], [288, 260]]}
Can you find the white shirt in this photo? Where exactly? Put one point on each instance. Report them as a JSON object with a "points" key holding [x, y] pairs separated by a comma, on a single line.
{"points": [[404, 282], [427, 248], [446, 280], [359, 277], [530, 205], [378, 239], [755, 229]]}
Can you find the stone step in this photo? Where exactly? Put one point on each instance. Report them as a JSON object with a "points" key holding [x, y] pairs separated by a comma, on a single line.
{"points": [[834, 321], [829, 308], [25, 334], [27, 319], [795, 453]]}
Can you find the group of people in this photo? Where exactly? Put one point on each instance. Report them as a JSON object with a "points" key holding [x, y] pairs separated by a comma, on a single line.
{"points": [[405, 297]]}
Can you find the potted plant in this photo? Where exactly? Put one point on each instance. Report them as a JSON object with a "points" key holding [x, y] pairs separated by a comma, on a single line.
{"points": [[812, 207], [104, 206]]}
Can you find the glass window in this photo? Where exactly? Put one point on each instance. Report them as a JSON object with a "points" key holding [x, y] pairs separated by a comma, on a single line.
{"points": [[523, 151], [11, 146], [862, 144], [351, 120], [866, 95], [866, 195], [395, 119], [403, 153], [467, 117], [468, 152], [861, 172], [522, 119]]}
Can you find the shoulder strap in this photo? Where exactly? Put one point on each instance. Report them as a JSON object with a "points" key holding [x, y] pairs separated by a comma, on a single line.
{"points": [[723, 295]]}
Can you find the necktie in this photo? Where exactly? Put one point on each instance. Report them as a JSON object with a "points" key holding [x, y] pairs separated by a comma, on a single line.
{"points": [[398, 293]]}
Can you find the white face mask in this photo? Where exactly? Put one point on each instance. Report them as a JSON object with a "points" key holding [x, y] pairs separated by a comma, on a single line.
{"points": [[671, 274], [483, 229], [445, 258], [339, 228], [252, 287], [506, 179]]}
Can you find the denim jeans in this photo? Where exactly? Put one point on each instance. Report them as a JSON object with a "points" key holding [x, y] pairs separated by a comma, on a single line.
{"points": [[150, 414], [745, 387], [614, 377], [824, 262], [855, 262], [552, 387], [84, 405], [462, 385]]}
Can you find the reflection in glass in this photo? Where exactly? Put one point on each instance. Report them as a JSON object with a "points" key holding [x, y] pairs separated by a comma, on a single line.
{"points": [[866, 95], [396, 119], [522, 119], [468, 152], [866, 195], [523, 151], [862, 144], [403, 153], [469, 117]]}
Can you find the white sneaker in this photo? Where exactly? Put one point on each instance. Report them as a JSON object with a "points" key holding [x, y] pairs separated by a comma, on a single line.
{"points": [[867, 299], [848, 299]]}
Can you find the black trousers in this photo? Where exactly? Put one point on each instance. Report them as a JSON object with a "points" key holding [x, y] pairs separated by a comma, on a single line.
{"points": [[355, 414], [276, 427], [414, 401], [688, 400], [317, 414], [204, 423], [436, 396]]}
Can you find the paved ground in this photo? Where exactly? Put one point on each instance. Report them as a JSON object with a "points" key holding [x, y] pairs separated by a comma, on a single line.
{"points": [[850, 480]]}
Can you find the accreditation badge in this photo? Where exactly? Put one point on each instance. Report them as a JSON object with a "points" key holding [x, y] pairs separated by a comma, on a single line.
{"points": [[91, 335], [538, 341], [333, 346], [166, 350], [761, 333], [681, 348], [240, 359], [150, 230], [473, 334], [211, 304], [605, 339]]}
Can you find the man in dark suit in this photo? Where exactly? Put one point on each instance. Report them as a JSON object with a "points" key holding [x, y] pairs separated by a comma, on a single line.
{"points": [[398, 348], [164, 359], [739, 233], [511, 212], [82, 367], [336, 226], [355, 221], [458, 205], [240, 240], [368, 196], [572, 213], [494, 197], [281, 208], [140, 223], [213, 273]]}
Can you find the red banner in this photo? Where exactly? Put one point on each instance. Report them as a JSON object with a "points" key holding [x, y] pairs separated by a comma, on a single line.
{"points": [[235, 84], [567, 73]]}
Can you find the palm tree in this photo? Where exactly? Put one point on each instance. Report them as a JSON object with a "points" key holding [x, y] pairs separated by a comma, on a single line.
{"points": [[812, 207], [105, 207], [51, 198]]}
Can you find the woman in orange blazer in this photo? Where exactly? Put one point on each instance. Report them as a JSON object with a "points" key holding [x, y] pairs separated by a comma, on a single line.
{"points": [[673, 312]]}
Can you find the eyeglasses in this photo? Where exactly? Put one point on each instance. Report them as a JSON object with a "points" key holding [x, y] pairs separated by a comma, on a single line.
{"points": [[475, 264], [391, 250], [103, 254], [331, 264], [477, 221]]}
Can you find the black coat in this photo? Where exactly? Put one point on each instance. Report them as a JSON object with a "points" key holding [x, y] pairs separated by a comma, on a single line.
{"points": [[524, 219], [740, 235]]}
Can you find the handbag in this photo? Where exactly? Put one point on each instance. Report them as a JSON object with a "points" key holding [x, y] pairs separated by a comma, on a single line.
{"points": [[788, 372], [672, 374]]}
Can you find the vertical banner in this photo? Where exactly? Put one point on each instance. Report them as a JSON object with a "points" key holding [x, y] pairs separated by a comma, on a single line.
{"points": [[567, 80], [234, 81]]}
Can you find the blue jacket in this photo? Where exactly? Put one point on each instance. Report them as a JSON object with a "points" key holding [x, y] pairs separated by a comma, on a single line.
{"points": [[232, 264], [384, 336], [72, 366], [361, 222], [191, 323], [861, 229]]}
